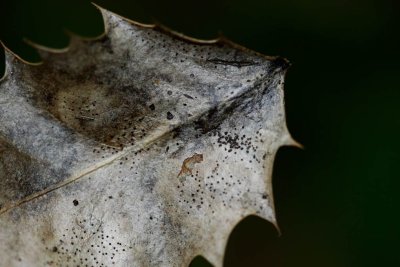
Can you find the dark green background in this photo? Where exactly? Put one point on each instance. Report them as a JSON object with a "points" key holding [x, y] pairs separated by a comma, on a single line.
{"points": [[337, 201]]}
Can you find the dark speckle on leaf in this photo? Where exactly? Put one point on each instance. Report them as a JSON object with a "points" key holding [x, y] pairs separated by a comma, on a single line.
{"points": [[169, 116]]}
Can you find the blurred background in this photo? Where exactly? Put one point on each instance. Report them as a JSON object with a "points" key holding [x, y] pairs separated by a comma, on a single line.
{"points": [[338, 200]]}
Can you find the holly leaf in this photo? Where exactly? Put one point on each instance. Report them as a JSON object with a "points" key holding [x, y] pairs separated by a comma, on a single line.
{"points": [[141, 147]]}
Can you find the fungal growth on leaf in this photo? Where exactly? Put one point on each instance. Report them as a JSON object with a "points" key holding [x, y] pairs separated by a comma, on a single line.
{"points": [[141, 147]]}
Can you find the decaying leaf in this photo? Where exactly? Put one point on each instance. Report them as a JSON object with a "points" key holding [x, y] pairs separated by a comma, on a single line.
{"points": [[139, 148]]}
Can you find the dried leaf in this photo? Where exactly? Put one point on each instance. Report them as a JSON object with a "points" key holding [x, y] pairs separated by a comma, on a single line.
{"points": [[138, 148]]}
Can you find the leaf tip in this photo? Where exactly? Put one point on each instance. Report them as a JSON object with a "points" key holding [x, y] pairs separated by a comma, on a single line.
{"points": [[281, 63], [276, 225], [10, 57], [44, 51], [295, 143], [109, 16], [288, 140]]}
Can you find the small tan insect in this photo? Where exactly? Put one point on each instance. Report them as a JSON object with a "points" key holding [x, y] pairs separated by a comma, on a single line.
{"points": [[188, 164]]}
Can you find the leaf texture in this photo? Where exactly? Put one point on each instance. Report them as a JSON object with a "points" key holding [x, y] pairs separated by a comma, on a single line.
{"points": [[141, 147]]}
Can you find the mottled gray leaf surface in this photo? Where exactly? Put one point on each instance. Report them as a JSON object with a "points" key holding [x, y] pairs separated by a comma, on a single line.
{"points": [[138, 148]]}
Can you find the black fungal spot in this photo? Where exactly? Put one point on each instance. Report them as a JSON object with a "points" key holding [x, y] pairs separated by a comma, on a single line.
{"points": [[169, 116], [152, 107], [76, 202]]}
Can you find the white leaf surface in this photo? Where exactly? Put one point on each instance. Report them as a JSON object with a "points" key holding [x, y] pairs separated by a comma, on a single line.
{"points": [[138, 148]]}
